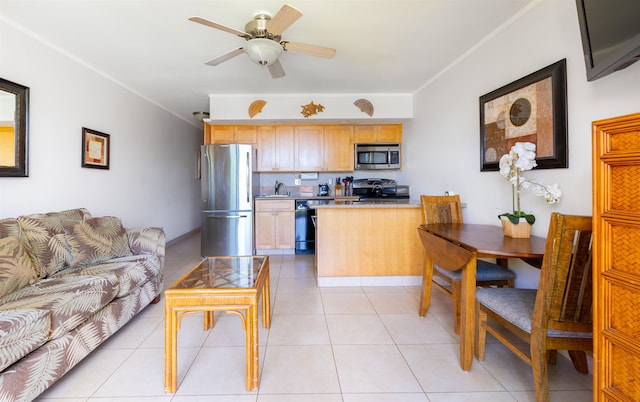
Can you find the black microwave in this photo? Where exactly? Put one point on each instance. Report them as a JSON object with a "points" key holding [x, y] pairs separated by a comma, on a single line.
{"points": [[377, 156]]}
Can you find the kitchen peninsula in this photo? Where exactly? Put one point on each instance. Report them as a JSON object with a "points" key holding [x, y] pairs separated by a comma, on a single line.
{"points": [[368, 243]]}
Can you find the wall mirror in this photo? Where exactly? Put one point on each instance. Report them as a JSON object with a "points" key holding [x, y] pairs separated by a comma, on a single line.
{"points": [[14, 130]]}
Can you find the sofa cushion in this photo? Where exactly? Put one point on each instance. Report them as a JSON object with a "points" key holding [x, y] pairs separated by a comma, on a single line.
{"points": [[147, 240], [21, 332], [16, 270], [132, 271], [9, 227], [69, 300], [47, 241], [96, 239]]}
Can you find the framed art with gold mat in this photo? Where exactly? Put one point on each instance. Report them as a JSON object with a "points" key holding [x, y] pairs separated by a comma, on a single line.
{"points": [[95, 149]]}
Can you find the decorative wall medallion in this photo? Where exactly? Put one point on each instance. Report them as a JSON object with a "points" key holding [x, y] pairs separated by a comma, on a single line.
{"points": [[365, 106], [256, 107], [311, 109]]}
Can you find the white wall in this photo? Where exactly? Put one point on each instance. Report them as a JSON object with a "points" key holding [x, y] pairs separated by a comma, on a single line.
{"points": [[152, 179], [444, 134]]}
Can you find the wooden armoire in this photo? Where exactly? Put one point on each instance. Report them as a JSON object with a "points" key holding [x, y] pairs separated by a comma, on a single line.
{"points": [[616, 258]]}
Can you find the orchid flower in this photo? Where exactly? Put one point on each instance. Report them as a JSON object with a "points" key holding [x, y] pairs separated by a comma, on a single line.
{"points": [[521, 157]]}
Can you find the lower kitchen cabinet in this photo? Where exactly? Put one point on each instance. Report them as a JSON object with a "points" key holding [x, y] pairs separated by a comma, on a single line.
{"points": [[275, 224], [368, 241]]}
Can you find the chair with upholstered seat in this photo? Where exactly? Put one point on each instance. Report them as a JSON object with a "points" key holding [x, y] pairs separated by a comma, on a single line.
{"points": [[447, 209], [556, 316]]}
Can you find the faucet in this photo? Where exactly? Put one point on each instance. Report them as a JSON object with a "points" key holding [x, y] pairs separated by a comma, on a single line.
{"points": [[277, 187]]}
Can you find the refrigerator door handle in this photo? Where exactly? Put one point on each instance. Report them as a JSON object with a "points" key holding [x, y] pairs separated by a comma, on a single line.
{"points": [[248, 181]]}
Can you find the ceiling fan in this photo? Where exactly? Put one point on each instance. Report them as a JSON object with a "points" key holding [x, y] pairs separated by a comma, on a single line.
{"points": [[264, 43]]}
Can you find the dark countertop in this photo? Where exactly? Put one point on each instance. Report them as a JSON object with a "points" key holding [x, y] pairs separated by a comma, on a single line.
{"points": [[305, 197], [369, 204]]}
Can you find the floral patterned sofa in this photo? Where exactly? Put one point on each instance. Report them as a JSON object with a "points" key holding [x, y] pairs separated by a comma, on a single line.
{"points": [[68, 281]]}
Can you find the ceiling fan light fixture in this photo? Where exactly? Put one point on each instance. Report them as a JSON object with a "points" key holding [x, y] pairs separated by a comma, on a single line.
{"points": [[200, 116], [263, 51]]}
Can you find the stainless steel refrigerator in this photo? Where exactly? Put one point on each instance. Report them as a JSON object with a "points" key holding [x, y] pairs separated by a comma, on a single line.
{"points": [[228, 184]]}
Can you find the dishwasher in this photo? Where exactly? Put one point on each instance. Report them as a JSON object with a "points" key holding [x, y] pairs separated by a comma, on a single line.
{"points": [[305, 228]]}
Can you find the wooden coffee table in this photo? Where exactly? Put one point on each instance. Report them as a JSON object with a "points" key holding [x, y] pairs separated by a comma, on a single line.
{"points": [[232, 284]]}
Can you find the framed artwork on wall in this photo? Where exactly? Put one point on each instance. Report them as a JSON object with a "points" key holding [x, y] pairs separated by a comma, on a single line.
{"points": [[531, 109], [95, 149], [14, 129]]}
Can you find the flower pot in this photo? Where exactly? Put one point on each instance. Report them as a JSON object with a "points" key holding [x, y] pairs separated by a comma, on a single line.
{"points": [[518, 230]]}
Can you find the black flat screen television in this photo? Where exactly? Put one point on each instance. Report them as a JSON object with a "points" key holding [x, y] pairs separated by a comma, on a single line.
{"points": [[610, 35]]}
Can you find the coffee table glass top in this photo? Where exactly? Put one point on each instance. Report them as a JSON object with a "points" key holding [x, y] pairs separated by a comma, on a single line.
{"points": [[223, 272]]}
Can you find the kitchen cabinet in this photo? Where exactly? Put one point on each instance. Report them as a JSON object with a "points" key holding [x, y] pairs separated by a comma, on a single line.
{"points": [[305, 147], [275, 224], [309, 148], [372, 240], [338, 148], [380, 133], [230, 134], [276, 149], [324, 148]]}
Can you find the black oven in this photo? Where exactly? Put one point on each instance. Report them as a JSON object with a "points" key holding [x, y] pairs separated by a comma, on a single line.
{"points": [[305, 227]]}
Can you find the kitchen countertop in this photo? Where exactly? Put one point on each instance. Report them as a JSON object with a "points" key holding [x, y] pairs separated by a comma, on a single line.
{"points": [[344, 201], [369, 204], [306, 197]]}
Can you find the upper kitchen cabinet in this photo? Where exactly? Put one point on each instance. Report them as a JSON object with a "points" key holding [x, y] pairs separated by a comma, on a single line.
{"points": [[379, 133], [338, 148], [309, 148], [324, 148], [276, 149], [230, 134]]}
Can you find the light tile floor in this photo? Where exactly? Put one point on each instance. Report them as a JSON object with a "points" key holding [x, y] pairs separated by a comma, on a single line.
{"points": [[346, 344]]}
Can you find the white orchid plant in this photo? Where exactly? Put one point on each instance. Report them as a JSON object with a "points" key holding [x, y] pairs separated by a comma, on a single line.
{"points": [[521, 157]]}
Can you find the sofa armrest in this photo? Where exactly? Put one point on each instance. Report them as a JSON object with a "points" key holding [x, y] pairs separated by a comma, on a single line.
{"points": [[147, 241]]}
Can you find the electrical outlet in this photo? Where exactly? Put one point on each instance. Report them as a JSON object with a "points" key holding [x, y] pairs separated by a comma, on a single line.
{"points": [[296, 182], [330, 180]]}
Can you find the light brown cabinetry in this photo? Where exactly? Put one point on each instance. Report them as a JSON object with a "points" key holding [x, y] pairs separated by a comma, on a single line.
{"points": [[324, 148], [303, 148], [275, 224], [380, 133], [368, 241], [230, 134], [338, 148], [276, 149], [309, 148], [616, 253]]}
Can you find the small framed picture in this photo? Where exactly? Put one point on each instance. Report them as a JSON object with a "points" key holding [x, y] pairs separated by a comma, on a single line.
{"points": [[95, 149]]}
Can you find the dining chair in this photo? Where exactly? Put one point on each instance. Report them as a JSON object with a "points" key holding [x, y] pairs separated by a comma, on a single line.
{"points": [[556, 316], [448, 209]]}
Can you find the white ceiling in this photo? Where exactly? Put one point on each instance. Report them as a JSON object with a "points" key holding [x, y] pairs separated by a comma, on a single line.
{"points": [[149, 46]]}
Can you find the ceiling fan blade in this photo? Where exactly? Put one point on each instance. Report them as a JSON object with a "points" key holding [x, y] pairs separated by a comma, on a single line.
{"points": [[283, 19], [312, 50], [276, 69], [225, 57], [221, 27]]}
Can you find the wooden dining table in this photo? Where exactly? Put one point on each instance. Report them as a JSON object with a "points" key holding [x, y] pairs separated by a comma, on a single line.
{"points": [[454, 246]]}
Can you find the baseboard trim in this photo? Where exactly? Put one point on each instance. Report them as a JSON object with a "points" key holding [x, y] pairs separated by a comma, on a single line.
{"points": [[327, 281], [275, 251], [182, 237]]}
